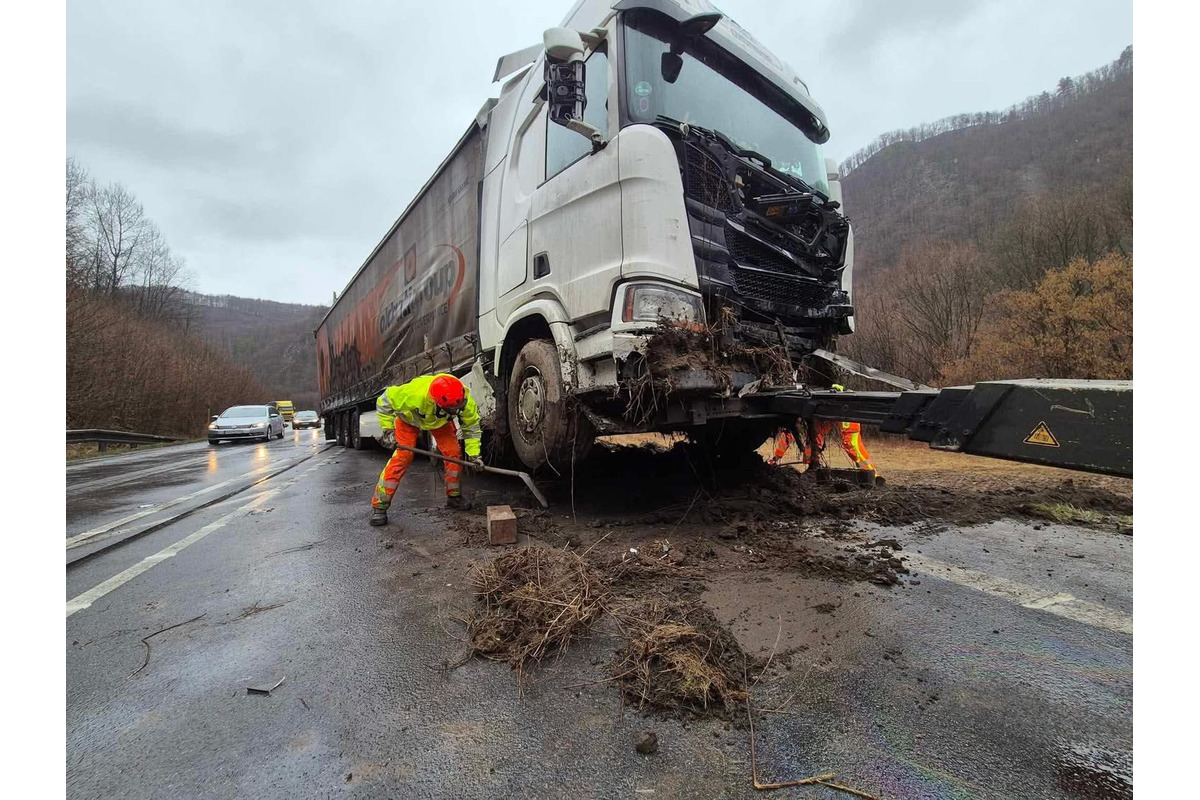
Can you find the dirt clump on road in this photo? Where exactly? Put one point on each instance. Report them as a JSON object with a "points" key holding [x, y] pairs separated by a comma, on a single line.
{"points": [[531, 603], [678, 659]]}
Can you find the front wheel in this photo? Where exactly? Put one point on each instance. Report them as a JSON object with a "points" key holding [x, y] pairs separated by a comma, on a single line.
{"points": [[545, 425]]}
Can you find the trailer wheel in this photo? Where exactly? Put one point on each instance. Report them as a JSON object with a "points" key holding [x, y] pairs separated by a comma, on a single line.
{"points": [[343, 429], [356, 440], [330, 429], [544, 424]]}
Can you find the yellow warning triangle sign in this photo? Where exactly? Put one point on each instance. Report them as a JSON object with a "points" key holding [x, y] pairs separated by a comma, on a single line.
{"points": [[1042, 435]]}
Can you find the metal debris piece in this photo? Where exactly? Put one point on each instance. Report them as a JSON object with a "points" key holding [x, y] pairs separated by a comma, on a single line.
{"points": [[265, 689]]}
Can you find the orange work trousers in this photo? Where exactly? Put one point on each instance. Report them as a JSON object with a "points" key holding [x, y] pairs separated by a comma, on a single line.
{"points": [[851, 441], [393, 472]]}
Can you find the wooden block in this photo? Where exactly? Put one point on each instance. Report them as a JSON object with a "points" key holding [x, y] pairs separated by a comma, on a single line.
{"points": [[502, 525]]}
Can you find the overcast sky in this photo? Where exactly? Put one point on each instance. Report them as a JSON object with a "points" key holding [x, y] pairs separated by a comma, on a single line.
{"points": [[274, 142]]}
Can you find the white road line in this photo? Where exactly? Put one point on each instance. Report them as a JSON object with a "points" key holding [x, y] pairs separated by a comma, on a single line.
{"points": [[120, 579], [86, 536], [1033, 597]]}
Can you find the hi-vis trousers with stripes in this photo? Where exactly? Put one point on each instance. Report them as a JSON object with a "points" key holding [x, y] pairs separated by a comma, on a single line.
{"points": [[393, 472]]}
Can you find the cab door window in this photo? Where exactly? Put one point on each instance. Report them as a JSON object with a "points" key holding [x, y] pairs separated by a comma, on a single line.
{"points": [[564, 147]]}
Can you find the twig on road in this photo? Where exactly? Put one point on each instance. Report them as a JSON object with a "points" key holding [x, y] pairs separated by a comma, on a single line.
{"points": [[821, 779], [146, 640], [774, 647], [308, 546]]}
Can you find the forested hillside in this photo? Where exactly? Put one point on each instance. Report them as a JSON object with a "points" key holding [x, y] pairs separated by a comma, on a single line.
{"points": [[957, 177], [1000, 244], [274, 340]]}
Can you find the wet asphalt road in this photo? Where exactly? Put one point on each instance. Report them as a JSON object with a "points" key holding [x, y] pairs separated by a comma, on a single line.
{"points": [[1003, 668]]}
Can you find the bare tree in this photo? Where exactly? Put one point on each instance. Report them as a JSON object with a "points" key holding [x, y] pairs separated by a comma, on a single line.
{"points": [[79, 187], [120, 227]]}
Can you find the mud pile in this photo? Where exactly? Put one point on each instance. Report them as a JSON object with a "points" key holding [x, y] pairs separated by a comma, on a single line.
{"points": [[648, 485]]}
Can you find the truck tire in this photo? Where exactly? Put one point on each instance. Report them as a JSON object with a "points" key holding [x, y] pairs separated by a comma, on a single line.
{"points": [[342, 439], [356, 440], [330, 430], [545, 426]]}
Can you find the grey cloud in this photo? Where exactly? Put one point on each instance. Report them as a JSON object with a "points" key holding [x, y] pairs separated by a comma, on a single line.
{"points": [[139, 131], [870, 23]]}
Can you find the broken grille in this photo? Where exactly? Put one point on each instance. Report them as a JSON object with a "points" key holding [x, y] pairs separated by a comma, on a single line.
{"points": [[782, 289], [704, 181]]}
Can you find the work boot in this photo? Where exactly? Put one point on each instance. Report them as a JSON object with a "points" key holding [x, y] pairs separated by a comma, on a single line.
{"points": [[378, 516], [455, 501]]}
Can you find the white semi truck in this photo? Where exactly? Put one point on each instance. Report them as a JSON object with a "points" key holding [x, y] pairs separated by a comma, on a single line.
{"points": [[648, 160]]}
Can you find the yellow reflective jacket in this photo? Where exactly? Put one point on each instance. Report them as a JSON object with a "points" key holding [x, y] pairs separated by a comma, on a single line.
{"points": [[411, 402]]}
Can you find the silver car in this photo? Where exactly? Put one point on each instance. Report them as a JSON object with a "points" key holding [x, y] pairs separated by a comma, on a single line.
{"points": [[246, 422]]}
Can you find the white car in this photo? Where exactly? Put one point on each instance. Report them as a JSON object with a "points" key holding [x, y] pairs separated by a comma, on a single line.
{"points": [[246, 422]]}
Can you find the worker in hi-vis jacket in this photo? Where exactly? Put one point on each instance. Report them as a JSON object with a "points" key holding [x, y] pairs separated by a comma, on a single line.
{"points": [[427, 403]]}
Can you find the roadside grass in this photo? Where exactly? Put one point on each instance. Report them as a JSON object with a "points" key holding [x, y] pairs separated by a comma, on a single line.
{"points": [[1068, 514], [78, 452]]}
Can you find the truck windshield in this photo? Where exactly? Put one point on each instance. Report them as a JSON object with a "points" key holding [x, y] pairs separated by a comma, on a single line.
{"points": [[714, 91]]}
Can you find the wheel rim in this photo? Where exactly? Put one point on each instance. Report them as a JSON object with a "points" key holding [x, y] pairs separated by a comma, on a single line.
{"points": [[531, 401]]}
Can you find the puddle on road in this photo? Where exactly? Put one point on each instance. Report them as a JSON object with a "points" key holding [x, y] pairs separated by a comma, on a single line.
{"points": [[1095, 773]]}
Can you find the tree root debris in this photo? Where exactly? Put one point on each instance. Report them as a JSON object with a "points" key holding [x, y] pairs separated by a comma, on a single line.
{"points": [[678, 659], [531, 604]]}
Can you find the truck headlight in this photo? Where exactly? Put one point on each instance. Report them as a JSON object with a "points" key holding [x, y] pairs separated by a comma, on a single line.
{"points": [[648, 302]]}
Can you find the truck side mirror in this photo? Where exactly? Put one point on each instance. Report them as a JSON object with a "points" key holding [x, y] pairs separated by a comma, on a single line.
{"points": [[563, 45], [831, 169], [565, 87], [835, 183]]}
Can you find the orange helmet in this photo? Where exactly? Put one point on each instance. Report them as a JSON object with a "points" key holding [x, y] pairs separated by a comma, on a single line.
{"points": [[448, 393]]}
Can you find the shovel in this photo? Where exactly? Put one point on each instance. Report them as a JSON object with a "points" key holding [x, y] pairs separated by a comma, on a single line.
{"points": [[524, 476]]}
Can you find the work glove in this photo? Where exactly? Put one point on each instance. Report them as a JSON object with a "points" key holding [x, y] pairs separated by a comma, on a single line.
{"points": [[477, 464], [388, 439]]}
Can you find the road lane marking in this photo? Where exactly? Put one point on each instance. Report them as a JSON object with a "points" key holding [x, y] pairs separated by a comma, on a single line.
{"points": [[82, 538], [86, 536], [84, 600], [1032, 597]]}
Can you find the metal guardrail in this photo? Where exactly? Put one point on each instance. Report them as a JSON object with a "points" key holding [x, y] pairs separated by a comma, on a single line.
{"points": [[104, 438]]}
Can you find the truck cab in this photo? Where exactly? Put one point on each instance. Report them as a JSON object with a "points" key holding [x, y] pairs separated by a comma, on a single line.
{"points": [[286, 409], [651, 162]]}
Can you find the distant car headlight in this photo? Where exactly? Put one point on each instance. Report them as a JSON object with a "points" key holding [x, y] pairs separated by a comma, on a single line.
{"points": [[259, 425], [646, 302]]}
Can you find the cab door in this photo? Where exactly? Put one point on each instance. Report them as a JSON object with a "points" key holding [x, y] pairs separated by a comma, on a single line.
{"points": [[573, 251]]}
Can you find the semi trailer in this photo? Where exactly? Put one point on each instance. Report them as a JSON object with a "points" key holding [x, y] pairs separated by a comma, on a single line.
{"points": [[649, 181]]}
